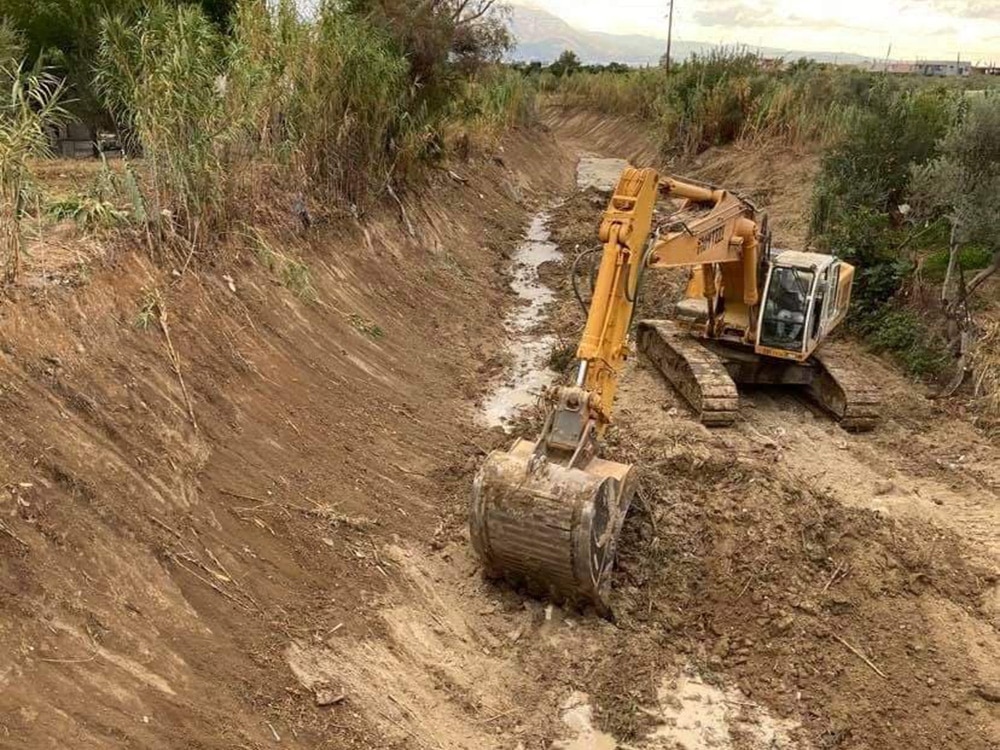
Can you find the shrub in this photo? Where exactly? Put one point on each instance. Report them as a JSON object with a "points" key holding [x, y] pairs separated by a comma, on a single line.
{"points": [[870, 167], [963, 182], [904, 334], [969, 258]]}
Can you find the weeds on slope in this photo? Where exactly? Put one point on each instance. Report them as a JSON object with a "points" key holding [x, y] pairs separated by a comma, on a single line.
{"points": [[276, 108]]}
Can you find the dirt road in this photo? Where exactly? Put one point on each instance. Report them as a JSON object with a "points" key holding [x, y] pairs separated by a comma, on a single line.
{"points": [[291, 568]]}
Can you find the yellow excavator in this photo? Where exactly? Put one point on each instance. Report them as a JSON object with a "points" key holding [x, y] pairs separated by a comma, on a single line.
{"points": [[548, 513]]}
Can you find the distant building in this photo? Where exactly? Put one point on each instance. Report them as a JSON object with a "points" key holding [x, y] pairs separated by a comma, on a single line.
{"points": [[896, 67], [986, 70], [771, 63], [943, 68]]}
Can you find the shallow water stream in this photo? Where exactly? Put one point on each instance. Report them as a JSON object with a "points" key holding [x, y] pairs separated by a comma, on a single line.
{"points": [[528, 374]]}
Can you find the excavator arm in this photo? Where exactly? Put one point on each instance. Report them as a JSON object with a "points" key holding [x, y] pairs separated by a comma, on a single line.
{"points": [[726, 234]]}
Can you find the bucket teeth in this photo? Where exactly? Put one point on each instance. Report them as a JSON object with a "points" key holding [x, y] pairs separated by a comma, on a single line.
{"points": [[697, 373]]}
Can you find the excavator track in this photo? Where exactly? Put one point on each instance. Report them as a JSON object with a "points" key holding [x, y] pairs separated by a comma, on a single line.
{"points": [[697, 373], [844, 391]]}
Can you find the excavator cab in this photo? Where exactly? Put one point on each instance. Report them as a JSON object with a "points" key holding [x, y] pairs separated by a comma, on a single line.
{"points": [[800, 304]]}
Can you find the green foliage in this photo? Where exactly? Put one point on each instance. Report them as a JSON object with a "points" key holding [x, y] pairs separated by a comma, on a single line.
{"points": [[863, 180], [566, 65], [870, 167], [327, 101], [969, 258], [441, 40], [964, 181], [348, 103], [65, 35], [87, 211], [856, 213], [499, 99], [12, 47], [333, 105], [904, 334], [160, 78], [722, 97]]}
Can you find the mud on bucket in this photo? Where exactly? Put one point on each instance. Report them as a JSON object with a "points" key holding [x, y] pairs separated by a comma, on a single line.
{"points": [[550, 528]]}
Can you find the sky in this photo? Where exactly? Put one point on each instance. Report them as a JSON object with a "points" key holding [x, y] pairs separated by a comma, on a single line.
{"points": [[916, 29]]}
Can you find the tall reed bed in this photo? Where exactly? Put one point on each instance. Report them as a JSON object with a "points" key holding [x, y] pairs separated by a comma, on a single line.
{"points": [[29, 103], [324, 106], [723, 97]]}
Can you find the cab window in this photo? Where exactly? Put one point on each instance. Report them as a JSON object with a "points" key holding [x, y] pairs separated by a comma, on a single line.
{"points": [[783, 324]]}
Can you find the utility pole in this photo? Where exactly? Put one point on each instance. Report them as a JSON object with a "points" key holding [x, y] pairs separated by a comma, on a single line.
{"points": [[670, 32]]}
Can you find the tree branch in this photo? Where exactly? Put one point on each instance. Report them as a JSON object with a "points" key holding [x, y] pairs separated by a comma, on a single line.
{"points": [[983, 275]]}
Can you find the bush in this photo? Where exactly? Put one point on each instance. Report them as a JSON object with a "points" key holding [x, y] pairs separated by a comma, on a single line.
{"points": [[869, 169], [969, 259], [857, 214], [904, 334]]}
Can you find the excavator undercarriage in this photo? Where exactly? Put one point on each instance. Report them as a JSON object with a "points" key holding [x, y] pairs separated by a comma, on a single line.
{"points": [[706, 373]]}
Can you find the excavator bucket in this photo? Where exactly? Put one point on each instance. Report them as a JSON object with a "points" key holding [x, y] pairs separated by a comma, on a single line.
{"points": [[550, 528]]}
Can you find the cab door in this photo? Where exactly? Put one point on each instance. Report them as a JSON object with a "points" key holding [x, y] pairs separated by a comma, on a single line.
{"points": [[823, 305]]}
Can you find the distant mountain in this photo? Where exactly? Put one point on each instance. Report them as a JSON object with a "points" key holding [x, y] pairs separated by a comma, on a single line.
{"points": [[543, 37]]}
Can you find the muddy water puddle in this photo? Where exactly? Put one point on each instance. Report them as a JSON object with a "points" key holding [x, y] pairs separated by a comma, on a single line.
{"points": [[599, 173], [529, 351]]}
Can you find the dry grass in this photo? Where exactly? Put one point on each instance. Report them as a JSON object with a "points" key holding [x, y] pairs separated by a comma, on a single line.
{"points": [[29, 102]]}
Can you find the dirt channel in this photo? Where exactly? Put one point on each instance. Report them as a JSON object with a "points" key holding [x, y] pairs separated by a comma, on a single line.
{"points": [[291, 567]]}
